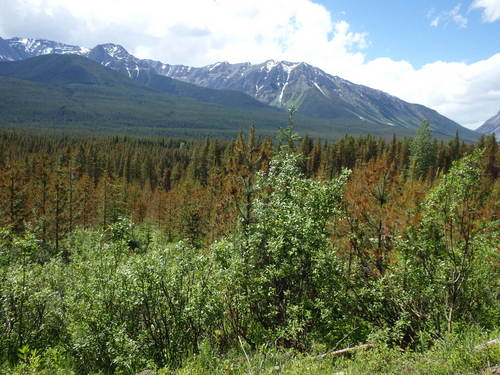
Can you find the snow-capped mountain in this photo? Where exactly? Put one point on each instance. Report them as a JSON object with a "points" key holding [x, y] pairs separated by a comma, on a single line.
{"points": [[314, 92], [110, 55], [278, 83], [117, 58], [7, 53], [23, 48], [491, 126]]}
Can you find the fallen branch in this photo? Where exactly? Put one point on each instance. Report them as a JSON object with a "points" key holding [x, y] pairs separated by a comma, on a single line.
{"points": [[484, 345], [346, 350], [244, 352]]}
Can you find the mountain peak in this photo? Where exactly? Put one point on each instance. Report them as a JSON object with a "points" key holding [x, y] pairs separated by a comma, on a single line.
{"points": [[111, 52], [286, 66], [23, 48], [113, 49], [116, 57]]}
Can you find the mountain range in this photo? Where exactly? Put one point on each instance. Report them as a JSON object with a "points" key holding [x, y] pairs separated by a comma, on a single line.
{"points": [[322, 99], [75, 93]]}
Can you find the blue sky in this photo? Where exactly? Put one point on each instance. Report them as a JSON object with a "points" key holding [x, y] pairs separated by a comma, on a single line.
{"points": [[402, 30], [443, 54]]}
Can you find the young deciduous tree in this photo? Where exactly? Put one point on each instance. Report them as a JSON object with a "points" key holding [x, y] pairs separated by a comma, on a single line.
{"points": [[447, 271], [422, 152], [277, 261]]}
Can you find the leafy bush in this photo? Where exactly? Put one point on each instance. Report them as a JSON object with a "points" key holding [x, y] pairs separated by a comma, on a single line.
{"points": [[31, 299], [282, 267], [444, 270]]}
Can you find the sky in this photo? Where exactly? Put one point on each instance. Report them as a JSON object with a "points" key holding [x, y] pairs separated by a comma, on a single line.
{"points": [[443, 54]]}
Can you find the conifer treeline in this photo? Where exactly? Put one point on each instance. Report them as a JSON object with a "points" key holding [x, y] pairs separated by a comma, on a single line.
{"points": [[52, 184]]}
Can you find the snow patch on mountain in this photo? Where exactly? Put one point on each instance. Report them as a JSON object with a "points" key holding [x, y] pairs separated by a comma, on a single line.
{"points": [[282, 92], [214, 66], [289, 68], [270, 65], [319, 88]]}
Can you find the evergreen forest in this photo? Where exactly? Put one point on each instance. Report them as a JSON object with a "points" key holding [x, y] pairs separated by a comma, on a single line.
{"points": [[252, 255]]}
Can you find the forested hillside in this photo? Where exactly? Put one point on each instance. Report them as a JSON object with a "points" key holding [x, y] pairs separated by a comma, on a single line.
{"points": [[73, 93], [251, 255]]}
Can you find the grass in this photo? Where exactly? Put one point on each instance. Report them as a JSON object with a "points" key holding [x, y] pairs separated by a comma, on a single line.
{"points": [[452, 355]]}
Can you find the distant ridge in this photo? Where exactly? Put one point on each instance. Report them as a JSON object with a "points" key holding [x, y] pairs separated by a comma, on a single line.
{"points": [[491, 126], [75, 93], [71, 92]]}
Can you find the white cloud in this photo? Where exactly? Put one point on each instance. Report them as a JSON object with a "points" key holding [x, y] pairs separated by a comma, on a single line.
{"points": [[200, 32], [435, 21], [192, 31], [491, 9], [467, 93], [444, 18], [459, 19]]}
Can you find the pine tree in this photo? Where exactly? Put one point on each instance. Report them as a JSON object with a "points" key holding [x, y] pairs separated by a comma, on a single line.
{"points": [[13, 197]]}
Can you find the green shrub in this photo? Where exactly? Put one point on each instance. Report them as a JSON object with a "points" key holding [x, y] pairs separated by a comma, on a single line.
{"points": [[445, 270], [282, 268]]}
